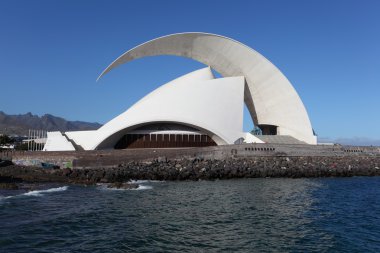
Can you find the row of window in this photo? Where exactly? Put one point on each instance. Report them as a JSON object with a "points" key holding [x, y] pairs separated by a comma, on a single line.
{"points": [[168, 137], [353, 150], [260, 149], [164, 141]]}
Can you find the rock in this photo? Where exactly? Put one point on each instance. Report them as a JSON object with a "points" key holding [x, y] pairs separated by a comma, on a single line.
{"points": [[125, 186], [8, 186], [4, 163]]}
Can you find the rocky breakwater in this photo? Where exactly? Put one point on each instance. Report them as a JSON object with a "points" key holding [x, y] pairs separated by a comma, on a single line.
{"points": [[198, 169]]}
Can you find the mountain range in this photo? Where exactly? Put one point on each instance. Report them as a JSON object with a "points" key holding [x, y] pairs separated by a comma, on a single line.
{"points": [[20, 124]]}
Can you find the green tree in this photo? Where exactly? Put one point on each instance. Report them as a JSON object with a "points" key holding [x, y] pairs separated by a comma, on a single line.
{"points": [[4, 139]]}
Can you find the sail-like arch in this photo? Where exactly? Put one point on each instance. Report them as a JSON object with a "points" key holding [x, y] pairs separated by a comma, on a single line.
{"points": [[271, 99], [213, 107]]}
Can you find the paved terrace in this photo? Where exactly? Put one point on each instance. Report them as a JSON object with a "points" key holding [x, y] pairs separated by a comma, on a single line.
{"points": [[112, 158]]}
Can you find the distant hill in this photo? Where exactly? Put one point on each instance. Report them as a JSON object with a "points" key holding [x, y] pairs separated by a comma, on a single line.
{"points": [[20, 124]]}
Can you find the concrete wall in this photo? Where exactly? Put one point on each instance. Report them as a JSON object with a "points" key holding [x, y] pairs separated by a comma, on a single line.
{"points": [[114, 158], [29, 158]]}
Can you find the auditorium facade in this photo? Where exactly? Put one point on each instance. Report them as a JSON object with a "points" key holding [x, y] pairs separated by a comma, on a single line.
{"points": [[197, 109]]}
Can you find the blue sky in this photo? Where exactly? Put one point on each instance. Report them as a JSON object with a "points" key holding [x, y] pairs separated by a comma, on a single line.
{"points": [[51, 53]]}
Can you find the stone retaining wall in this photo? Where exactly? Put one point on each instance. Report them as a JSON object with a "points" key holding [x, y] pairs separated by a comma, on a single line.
{"points": [[198, 169], [36, 159], [254, 167], [113, 158]]}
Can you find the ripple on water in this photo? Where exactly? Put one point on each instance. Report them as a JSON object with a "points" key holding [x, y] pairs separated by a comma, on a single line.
{"points": [[256, 215]]}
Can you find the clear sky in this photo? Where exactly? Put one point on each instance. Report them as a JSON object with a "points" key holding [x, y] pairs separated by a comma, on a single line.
{"points": [[51, 53]]}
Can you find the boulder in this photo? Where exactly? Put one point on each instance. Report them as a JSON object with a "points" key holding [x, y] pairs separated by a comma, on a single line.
{"points": [[8, 186], [121, 185]]}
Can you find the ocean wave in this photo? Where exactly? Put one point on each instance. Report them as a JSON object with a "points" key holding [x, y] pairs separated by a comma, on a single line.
{"points": [[143, 187], [41, 192], [5, 197], [36, 193]]}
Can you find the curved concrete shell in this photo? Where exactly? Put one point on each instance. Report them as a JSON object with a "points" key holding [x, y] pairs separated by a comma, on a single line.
{"points": [[192, 100], [269, 96]]}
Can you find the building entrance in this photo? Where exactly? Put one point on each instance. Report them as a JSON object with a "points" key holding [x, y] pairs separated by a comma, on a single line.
{"points": [[164, 141]]}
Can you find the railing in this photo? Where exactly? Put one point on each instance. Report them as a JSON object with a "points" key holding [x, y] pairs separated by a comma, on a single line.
{"points": [[36, 139]]}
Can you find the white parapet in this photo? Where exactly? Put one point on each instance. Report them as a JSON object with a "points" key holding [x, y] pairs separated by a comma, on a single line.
{"points": [[250, 138]]}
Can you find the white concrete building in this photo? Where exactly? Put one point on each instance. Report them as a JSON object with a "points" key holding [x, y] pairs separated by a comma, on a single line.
{"points": [[197, 109]]}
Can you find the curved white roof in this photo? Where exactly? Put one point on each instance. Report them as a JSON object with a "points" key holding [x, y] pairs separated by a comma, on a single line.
{"points": [[269, 96], [214, 106]]}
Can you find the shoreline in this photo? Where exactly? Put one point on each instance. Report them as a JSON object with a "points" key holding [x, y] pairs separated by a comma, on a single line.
{"points": [[181, 164], [199, 169]]}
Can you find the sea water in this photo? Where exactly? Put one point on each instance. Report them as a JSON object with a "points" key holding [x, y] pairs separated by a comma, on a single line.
{"points": [[245, 215]]}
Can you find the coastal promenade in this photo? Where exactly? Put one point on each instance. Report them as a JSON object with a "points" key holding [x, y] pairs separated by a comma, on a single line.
{"points": [[113, 158], [209, 163]]}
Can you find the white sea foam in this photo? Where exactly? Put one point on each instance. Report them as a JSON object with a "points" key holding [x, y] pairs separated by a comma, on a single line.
{"points": [[42, 192], [37, 193], [3, 197], [143, 184], [143, 187]]}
